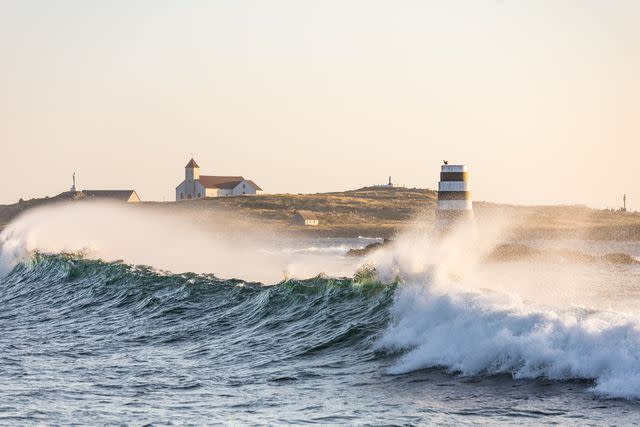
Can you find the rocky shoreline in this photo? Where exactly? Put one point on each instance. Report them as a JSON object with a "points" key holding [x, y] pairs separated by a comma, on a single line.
{"points": [[514, 252]]}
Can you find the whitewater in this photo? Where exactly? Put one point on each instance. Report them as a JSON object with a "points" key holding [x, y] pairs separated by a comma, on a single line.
{"points": [[110, 314]]}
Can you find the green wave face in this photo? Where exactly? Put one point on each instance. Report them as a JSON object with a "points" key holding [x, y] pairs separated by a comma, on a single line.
{"points": [[92, 342], [118, 304]]}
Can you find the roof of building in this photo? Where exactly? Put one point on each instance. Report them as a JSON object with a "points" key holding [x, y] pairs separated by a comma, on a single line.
{"points": [[224, 182], [69, 195], [254, 185], [192, 164], [307, 215], [123, 195]]}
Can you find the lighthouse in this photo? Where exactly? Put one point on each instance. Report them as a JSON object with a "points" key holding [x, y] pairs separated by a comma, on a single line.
{"points": [[454, 196]]}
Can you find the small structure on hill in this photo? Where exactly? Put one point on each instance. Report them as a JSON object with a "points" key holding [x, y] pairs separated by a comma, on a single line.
{"points": [[196, 186], [129, 196], [305, 218], [73, 187], [389, 184]]}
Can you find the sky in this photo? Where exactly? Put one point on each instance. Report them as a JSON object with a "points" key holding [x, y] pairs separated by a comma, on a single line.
{"points": [[540, 98]]}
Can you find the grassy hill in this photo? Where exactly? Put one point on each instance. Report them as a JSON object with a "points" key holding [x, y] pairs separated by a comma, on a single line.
{"points": [[9, 212], [382, 212], [371, 211]]}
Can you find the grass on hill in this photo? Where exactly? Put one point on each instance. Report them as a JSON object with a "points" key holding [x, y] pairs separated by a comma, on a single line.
{"points": [[383, 212]]}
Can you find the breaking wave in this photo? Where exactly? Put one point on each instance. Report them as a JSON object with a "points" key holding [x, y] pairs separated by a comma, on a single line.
{"points": [[489, 334], [465, 333], [409, 308]]}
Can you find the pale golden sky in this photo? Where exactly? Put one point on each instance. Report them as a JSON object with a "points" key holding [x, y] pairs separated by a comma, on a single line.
{"points": [[540, 98]]}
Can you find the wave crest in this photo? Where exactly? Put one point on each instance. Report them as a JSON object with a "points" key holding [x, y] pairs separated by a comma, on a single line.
{"points": [[487, 333]]}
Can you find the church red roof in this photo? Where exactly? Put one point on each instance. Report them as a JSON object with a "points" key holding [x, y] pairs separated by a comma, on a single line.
{"points": [[226, 182]]}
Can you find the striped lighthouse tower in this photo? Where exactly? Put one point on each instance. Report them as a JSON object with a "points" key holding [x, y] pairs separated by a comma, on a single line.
{"points": [[454, 196]]}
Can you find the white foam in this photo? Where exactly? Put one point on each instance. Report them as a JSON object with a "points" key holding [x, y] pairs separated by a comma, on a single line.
{"points": [[528, 320], [481, 334]]}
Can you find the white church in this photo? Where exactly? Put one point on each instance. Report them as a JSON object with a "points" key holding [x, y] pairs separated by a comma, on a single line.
{"points": [[196, 186]]}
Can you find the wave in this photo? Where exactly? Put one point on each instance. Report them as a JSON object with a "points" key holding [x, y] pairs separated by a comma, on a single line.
{"points": [[140, 304], [472, 333], [443, 312], [466, 333], [228, 246]]}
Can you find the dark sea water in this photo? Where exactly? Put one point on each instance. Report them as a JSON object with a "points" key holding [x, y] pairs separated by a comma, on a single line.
{"points": [[91, 343]]}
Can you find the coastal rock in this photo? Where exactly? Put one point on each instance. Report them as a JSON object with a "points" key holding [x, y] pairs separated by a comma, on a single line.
{"points": [[370, 248]]}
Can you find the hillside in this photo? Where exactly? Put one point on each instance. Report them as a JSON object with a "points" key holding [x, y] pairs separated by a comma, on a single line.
{"points": [[382, 212], [371, 211], [8, 212]]}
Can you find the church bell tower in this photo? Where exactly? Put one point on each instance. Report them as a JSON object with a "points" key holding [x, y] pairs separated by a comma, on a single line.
{"points": [[192, 171]]}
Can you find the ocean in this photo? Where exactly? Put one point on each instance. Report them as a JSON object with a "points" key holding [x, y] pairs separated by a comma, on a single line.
{"points": [[423, 332]]}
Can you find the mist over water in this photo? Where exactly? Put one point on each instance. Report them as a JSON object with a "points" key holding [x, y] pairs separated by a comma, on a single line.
{"points": [[220, 243], [428, 312], [527, 319]]}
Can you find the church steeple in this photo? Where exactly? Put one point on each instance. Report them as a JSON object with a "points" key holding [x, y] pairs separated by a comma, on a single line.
{"points": [[192, 171]]}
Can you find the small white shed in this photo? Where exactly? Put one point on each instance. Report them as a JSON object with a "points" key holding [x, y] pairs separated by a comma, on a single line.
{"points": [[305, 218]]}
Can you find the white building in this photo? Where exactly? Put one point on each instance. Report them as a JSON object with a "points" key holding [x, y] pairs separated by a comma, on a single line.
{"points": [[129, 196], [305, 218], [389, 185], [196, 186]]}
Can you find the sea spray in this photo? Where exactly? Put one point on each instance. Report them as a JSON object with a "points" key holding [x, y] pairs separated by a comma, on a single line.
{"points": [[13, 249], [472, 333], [420, 249], [450, 310], [222, 244], [456, 312]]}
